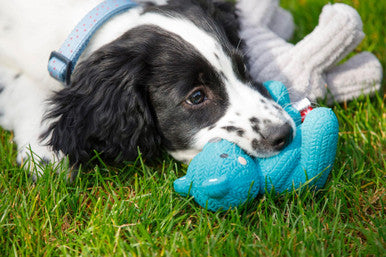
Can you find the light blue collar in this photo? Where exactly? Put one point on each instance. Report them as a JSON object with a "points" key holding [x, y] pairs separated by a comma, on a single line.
{"points": [[61, 63]]}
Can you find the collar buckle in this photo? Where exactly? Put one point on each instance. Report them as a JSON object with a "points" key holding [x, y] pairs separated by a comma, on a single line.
{"points": [[62, 63], [68, 66]]}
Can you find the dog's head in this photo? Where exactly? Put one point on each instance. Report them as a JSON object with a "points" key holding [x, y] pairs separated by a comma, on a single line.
{"points": [[175, 80]]}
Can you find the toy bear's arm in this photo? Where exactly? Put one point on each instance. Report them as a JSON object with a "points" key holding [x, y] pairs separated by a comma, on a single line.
{"points": [[279, 93]]}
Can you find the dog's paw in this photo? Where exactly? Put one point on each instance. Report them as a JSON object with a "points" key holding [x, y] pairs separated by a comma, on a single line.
{"points": [[38, 159]]}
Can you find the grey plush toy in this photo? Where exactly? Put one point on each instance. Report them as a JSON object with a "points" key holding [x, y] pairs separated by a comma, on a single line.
{"points": [[309, 68]]}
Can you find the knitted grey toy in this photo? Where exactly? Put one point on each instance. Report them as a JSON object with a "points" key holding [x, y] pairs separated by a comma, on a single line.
{"points": [[309, 68]]}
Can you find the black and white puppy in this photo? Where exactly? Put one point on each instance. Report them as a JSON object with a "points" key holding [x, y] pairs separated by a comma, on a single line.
{"points": [[167, 75]]}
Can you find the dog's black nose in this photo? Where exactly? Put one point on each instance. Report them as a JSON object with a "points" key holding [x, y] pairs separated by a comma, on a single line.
{"points": [[278, 137]]}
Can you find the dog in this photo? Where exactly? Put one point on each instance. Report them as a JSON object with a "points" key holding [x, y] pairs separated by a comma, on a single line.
{"points": [[164, 75]]}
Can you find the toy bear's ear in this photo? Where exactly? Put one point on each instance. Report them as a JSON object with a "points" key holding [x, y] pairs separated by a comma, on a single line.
{"points": [[182, 186], [278, 92], [280, 95], [216, 187]]}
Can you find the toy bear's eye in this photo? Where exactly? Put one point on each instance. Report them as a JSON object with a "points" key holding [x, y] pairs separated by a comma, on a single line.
{"points": [[224, 155], [242, 161]]}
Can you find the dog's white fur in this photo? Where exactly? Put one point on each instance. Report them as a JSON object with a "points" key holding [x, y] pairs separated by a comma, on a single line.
{"points": [[29, 30]]}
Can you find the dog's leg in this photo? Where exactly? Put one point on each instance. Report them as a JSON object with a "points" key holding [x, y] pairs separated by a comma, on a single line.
{"points": [[23, 103]]}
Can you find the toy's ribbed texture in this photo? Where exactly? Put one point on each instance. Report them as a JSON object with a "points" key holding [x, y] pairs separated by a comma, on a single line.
{"points": [[277, 170], [318, 164], [221, 176], [309, 68], [312, 152]]}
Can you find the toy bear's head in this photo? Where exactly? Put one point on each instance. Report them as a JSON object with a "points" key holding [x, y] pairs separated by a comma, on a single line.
{"points": [[220, 177]]}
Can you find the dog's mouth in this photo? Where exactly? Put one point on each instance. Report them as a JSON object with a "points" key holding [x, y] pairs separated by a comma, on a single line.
{"points": [[265, 147], [264, 144], [257, 136]]}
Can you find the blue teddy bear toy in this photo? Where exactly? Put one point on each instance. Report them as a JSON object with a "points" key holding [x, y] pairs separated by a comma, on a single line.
{"points": [[224, 176]]}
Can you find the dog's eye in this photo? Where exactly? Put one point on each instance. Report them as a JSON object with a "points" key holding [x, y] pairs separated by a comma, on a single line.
{"points": [[196, 98]]}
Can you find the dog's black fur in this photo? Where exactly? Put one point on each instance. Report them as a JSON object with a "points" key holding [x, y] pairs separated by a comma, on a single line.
{"points": [[135, 72], [150, 89]]}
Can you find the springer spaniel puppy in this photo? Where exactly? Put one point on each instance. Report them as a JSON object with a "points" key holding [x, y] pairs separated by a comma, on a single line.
{"points": [[166, 75]]}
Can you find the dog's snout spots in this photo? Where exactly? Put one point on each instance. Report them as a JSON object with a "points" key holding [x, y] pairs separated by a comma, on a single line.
{"points": [[256, 128], [255, 124], [266, 121], [277, 108], [230, 128], [255, 144], [254, 120], [17, 76], [240, 132]]}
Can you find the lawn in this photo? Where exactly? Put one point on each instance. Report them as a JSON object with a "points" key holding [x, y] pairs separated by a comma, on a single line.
{"points": [[133, 211]]}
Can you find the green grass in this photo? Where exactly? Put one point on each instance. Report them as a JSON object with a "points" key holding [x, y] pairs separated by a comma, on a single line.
{"points": [[134, 210]]}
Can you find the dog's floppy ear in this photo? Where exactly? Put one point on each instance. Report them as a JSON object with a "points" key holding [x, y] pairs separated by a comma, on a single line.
{"points": [[224, 13], [106, 107]]}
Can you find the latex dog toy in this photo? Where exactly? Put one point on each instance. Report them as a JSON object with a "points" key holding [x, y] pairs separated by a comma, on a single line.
{"points": [[224, 176], [309, 68], [221, 176]]}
